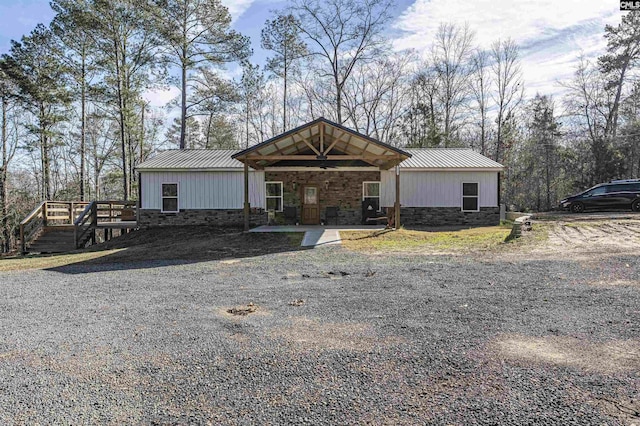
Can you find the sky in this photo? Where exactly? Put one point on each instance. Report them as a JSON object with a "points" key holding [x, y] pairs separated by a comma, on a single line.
{"points": [[552, 34]]}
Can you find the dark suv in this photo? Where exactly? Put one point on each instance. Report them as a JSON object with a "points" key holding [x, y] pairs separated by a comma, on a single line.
{"points": [[617, 194]]}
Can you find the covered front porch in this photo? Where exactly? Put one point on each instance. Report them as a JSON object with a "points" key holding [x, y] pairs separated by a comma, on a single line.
{"points": [[322, 173]]}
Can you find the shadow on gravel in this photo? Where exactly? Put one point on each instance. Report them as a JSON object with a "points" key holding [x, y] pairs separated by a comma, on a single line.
{"points": [[155, 248]]}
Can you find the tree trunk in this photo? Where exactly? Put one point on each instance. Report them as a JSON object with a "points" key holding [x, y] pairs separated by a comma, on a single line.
{"points": [[183, 100], [121, 113], [83, 127], [6, 231]]}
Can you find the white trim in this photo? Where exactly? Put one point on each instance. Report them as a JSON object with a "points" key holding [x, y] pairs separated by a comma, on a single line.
{"points": [[267, 196], [379, 196], [177, 197], [462, 197]]}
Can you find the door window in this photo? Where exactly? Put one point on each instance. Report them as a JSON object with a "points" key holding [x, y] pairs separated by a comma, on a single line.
{"points": [[311, 195]]}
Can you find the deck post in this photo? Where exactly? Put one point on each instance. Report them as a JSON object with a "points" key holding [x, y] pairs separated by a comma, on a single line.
{"points": [[246, 195], [397, 203]]}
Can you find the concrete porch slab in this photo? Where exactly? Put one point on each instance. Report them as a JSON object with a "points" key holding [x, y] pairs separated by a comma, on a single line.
{"points": [[305, 228], [317, 235]]}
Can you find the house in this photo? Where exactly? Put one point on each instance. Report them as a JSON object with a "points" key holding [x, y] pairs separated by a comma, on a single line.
{"points": [[317, 173]]}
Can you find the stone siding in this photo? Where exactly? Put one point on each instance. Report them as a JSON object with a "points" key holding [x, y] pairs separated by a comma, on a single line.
{"points": [[222, 218], [443, 216], [344, 191]]}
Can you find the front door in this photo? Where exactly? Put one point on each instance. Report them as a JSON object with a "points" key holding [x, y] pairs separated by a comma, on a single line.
{"points": [[310, 206]]}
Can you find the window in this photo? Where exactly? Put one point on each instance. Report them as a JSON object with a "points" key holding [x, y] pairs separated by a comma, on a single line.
{"points": [[170, 198], [371, 191], [274, 196], [470, 202], [597, 191]]}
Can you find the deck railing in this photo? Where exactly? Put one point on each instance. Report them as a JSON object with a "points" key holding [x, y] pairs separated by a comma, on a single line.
{"points": [[101, 212], [70, 213]]}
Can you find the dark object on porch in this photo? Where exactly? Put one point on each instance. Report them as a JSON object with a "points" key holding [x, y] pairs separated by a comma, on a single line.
{"points": [[369, 210], [291, 214], [331, 213]]}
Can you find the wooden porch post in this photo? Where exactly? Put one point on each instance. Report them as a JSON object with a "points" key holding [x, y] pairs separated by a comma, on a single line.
{"points": [[397, 204], [246, 195]]}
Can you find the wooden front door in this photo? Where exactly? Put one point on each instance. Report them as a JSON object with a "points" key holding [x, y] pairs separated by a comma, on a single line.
{"points": [[310, 206]]}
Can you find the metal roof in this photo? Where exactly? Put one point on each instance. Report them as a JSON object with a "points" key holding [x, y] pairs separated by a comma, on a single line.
{"points": [[192, 159], [447, 158], [422, 158]]}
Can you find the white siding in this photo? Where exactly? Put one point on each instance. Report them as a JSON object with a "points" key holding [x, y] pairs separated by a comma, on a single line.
{"points": [[204, 190], [436, 189]]}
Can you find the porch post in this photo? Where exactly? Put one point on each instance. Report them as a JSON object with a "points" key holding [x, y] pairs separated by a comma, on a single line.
{"points": [[397, 204], [246, 195]]}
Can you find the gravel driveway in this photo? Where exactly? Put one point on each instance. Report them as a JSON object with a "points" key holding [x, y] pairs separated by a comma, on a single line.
{"points": [[330, 337]]}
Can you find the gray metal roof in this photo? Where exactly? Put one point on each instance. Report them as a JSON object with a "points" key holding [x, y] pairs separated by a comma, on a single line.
{"points": [[447, 158], [422, 158], [192, 159]]}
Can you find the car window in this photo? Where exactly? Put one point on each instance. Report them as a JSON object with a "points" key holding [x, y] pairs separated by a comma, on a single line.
{"points": [[621, 187], [634, 187], [597, 191]]}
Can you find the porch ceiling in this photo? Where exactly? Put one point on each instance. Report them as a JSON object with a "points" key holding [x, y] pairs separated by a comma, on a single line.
{"points": [[319, 143]]}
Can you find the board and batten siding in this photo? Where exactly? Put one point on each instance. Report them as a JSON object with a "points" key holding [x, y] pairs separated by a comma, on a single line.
{"points": [[204, 190], [436, 189]]}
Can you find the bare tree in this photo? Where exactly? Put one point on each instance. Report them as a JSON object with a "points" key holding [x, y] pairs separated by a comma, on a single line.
{"points": [[507, 75], [342, 33], [450, 57], [480, 86]]}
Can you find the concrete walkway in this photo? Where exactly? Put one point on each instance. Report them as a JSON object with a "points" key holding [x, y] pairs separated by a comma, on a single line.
{"points": [[317, 235]]}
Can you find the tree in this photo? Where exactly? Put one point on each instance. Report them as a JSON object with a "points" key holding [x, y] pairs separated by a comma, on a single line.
{"points": [[623, 46], [33, 66], [342, 33], [282, 36], [480, 86], [507, 75], [127, 58], [544, 131], [197, 34], [8, 147], [450, 60], [420, 124], [590, 104], [71, 27]]}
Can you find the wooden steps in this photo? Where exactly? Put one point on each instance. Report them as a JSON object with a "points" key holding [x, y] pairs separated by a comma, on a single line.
{"points": [[53, 239]]}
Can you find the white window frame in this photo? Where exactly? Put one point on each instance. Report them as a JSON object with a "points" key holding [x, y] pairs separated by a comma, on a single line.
{"points": [[379, 196], [267, 196], [177, 197], [462, 197]]}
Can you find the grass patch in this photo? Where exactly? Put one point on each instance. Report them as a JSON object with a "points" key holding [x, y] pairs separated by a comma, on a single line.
{"points": [[442, 241], [22, 263]]}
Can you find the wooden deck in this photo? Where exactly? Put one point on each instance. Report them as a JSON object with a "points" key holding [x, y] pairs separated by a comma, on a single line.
{"points": [[60, 226]]}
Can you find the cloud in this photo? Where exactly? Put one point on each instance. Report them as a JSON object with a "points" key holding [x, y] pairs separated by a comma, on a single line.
{"points": [[551, 34], [237, 7], [161, 97]]}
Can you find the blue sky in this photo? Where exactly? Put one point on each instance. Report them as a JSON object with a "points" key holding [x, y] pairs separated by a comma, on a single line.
{"points": [[552, 33]]}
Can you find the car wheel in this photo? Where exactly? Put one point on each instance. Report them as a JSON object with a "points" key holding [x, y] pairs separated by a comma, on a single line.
{"points": [[635, 206], [577, 208]]}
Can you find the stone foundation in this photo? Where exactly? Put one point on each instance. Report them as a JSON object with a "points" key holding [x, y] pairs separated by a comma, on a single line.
{"points": [[445, 216], [222, 218]]}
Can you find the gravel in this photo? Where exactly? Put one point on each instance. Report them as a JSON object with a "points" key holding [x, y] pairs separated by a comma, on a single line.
{"points": [[336, 337]]}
